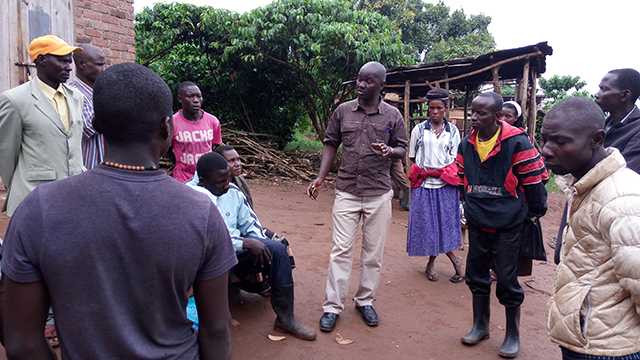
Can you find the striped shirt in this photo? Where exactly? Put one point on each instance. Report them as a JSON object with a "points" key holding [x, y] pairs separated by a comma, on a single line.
{"points": [[92, 141]]}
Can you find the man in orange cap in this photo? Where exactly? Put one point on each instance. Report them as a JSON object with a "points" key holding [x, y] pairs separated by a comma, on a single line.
{"points": [[40, 124]]}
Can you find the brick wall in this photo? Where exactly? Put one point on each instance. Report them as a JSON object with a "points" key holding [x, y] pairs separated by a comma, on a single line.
{"points": [[107, 24]]}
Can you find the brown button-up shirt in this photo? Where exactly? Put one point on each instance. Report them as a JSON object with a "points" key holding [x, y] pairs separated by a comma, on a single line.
{"points": [[362, 171]]}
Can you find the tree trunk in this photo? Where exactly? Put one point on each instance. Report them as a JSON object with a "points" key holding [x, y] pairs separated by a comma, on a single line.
{"points": [[318, 125]]}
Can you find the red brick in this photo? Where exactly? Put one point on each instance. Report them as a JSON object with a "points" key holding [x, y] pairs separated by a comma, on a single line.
{"points": [[80, 21], [93, 33], [118, 13], [82, 39], [102, 9], [107, 24], [119, 46], [93, 15], [110, 20]]}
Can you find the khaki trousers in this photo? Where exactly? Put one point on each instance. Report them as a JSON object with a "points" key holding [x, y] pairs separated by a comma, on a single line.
{"points": [[348, 212]]}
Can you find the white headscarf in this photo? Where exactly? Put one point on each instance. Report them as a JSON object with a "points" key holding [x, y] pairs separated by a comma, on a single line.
{"points": [[516, 105]]}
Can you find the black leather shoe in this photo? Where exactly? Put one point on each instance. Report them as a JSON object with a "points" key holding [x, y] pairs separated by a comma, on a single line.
{"points": [[328, 321], [369, 315]]}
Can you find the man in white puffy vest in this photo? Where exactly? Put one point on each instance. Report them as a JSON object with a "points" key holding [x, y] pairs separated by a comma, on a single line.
{"points": [[594, 312]]}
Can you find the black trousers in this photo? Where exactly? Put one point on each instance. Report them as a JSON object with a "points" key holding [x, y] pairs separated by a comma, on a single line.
{"points": [[500, 251], [571, 355], [279, 271]]}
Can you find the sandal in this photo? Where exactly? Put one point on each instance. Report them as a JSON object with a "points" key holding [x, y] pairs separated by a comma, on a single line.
{"points": [[431, 276], [456, 278], [428, 271]]}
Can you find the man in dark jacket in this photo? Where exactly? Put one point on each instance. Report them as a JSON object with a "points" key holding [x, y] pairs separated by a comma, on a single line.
{"points": [[619, 91], [503, 177]]}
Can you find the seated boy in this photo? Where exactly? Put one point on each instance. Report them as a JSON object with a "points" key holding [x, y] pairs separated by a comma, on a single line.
{"points": [[235, 165], [251, 245]]}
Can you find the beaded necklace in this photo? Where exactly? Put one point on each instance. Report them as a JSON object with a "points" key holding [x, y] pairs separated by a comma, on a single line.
{"points": [[128, 167]]}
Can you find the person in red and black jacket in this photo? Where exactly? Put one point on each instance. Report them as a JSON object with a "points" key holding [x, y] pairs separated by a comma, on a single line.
{"points": [[503, 177]]}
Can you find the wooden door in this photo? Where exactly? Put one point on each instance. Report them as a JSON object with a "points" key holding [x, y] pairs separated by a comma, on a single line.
{"points": [[20, 22]]}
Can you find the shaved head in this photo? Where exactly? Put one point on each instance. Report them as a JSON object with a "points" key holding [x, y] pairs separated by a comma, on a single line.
{"points": [[88, 52], [370, 81], [577, 114], [573, 136], [495, 99], [89, 62], [213, 171], [376, 69]]}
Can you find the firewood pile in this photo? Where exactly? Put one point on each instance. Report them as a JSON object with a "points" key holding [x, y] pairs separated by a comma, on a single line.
{"points": [[260, 158]]}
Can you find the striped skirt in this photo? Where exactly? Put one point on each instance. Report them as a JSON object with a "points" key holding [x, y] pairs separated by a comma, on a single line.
{"points": [[434, 221]]}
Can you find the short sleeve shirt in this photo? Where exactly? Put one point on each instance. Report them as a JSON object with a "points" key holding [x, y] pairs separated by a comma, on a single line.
{"points": [[192, 139], [116, 265], [434, 152], [363, 172]]}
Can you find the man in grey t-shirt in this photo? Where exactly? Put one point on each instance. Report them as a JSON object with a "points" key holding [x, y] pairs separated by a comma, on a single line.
{"points": [[115, 250]]}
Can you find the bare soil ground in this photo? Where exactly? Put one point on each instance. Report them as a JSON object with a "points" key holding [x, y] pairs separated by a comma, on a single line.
{"points": [[419, 319]]}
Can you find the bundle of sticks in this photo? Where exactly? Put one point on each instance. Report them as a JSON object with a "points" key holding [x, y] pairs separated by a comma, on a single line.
{"points": [[260, 157]]}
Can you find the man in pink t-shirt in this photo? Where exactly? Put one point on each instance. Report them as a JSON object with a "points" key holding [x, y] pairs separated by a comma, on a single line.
{"points": [[195, 131]]}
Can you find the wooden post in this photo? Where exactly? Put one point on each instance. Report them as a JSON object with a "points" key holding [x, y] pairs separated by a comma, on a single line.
{"points": [[407, 104], [524, 87], [496, 79], [533, 106], [446, 86], [407, 115], [466, 105]]}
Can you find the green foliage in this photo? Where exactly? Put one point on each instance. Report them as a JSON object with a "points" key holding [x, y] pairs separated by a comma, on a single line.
{"points": [[263, 70], [551, 185], [268, 69], [317, 45], [556, 89], [559, 87], [508, 90], [434, 30], [304, 139], [473, 44]]}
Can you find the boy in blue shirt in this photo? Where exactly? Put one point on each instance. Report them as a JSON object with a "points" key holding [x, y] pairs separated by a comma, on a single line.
{"points": [[252, 247]]}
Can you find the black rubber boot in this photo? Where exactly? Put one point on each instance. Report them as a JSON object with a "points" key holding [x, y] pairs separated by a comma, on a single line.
{"points": [[511, 345], [282, 303], [480, 329]]}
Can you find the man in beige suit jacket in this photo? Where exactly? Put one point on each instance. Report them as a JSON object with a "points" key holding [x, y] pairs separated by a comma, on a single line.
{"points": [[40, 124]]}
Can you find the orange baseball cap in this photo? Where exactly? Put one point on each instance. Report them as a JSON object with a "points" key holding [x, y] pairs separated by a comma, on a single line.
{"points": [[49, 44]]}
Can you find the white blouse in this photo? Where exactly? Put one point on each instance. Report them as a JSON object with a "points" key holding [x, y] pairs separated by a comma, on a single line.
{"points": [[431, 151]]}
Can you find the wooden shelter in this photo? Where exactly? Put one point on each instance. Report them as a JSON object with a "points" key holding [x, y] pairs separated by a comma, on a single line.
{"points": [[520, 66]]}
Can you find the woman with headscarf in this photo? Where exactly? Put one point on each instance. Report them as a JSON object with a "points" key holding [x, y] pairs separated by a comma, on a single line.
{"points": [[434, 216], [512, 114]]}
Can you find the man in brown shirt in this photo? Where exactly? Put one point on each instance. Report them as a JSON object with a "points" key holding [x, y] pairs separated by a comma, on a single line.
{"points": [[372, 133]]}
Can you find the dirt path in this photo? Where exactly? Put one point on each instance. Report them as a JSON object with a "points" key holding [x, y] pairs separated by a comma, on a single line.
{"points": [[419, 319]]}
